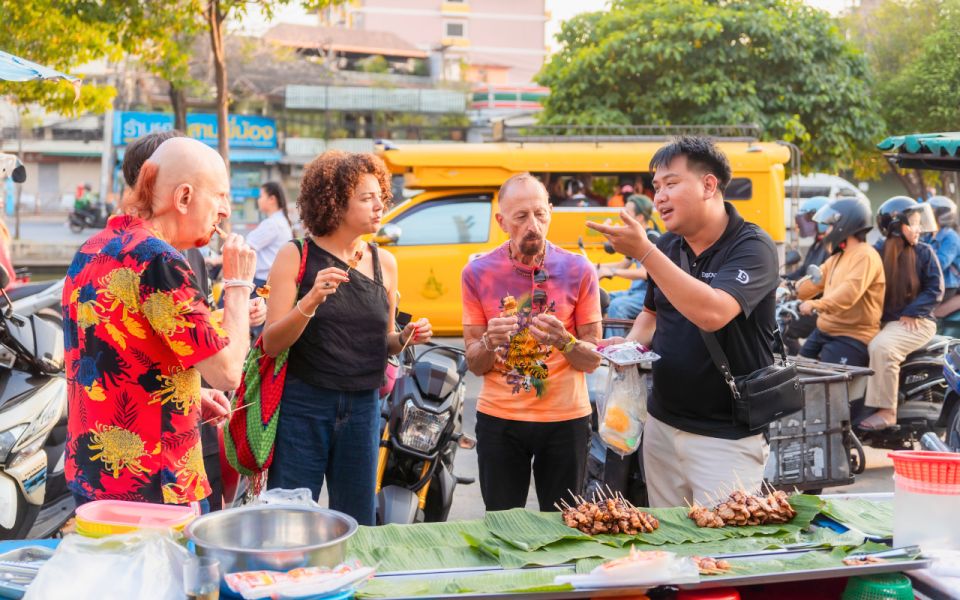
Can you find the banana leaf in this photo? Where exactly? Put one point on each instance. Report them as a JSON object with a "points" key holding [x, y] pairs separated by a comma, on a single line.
{"points": [[871, 517], [514, 581], [414, 547], [389, 559], [529, 531]]}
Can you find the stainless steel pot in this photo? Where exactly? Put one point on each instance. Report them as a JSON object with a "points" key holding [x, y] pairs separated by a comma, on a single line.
{"points": [[272, 537]]}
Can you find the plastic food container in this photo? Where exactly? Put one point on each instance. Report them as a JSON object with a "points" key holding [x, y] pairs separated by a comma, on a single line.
{"points": [[108, 517], [926, 497]]}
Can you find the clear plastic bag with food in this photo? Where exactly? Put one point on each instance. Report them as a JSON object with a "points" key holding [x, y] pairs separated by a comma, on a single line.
{"points": [[144, 564], [624, 410]]}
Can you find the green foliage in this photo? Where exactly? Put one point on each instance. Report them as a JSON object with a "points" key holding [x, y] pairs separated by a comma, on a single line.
{"points": [[776, 63], [914, 51], [374, 64]]}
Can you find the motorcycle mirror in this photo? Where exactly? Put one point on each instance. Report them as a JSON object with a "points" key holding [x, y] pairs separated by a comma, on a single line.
{"points": [[792, 257], [466, 442], [814, 273], [388, 234], [4, 277], [608, 248]]}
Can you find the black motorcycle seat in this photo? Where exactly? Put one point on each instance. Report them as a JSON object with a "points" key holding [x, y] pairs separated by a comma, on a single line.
{"points": [[28, 289], [936, 344]]}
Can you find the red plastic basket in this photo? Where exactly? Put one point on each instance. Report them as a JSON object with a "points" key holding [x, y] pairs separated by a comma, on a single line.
{"points": [[927, 467]]}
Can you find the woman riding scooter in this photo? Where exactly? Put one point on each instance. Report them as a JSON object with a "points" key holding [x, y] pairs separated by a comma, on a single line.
{"points": [[852, 288], [914, 287]]}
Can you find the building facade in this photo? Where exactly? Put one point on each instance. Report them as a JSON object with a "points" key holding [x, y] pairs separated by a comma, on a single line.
{"points": [[496, 42]]}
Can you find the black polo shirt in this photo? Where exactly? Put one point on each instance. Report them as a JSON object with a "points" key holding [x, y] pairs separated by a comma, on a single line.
{"points": [[689, 392]]}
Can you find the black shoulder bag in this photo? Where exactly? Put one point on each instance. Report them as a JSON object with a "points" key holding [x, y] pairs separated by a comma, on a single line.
{"points": [[763, 396]]}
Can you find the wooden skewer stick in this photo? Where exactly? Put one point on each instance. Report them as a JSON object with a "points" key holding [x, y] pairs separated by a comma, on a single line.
{"points": [[220, 232], [416, 332], [740, 482], [229, 414]]}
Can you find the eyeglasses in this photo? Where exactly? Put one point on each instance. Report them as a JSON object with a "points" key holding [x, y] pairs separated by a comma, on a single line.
{"points": [[538, 292]]}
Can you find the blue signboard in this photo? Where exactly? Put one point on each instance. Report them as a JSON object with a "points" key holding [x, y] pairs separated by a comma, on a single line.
{"points": [[245, 131]]}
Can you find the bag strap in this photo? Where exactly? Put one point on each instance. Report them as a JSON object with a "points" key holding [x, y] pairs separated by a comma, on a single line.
{"points": [[302, 246], [717, 354]]}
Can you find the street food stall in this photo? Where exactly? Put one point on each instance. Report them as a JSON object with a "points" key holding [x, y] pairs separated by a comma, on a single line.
{"points": [[745, 545]]}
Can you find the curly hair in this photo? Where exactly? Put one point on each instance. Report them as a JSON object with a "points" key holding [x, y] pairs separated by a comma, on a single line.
{"points": [[328, 183]]}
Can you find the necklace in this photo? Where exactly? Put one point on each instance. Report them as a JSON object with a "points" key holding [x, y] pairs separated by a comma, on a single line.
{"points": [[522, 269]]}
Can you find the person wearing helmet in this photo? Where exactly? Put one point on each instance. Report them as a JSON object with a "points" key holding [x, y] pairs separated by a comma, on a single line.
{"points": [[914, 287], [946, 243], [801, 328], [851, 288], [817, 253]]}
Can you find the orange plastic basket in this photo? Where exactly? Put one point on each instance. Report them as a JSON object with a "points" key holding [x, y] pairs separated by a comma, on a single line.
{"points": [[927, 467]]}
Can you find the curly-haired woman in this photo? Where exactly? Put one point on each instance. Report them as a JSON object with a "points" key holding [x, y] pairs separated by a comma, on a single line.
{"points": [[339, 328]]}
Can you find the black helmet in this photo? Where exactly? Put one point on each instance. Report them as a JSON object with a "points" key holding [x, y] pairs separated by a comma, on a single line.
{"points": [[846, 216], [896, 212], [945, 210]]}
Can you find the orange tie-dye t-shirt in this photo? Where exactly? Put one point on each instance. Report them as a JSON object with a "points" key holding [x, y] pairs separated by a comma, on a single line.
{"points": [[532, 382]]}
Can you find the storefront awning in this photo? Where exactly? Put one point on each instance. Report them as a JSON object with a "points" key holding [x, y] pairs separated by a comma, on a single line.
{"points": [[247, 155], [938, 151]]}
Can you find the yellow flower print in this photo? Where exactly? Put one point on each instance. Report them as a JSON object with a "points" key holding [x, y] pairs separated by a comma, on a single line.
{"points": [[165, 314], [95, 392], [88, 311], [181, 386], [190, 470], [122, 288], [118, 449]]}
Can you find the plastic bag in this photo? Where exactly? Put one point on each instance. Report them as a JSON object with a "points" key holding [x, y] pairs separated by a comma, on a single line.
{"points": [[297, 497], [143, 565], [625, 410]]}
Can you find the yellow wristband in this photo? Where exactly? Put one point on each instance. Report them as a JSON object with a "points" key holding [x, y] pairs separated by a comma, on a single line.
{"points": [[571, 342]]}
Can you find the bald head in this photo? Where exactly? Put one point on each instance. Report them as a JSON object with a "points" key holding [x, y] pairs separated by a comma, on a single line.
{"points": [[522, 185], [184, 189], [184, 160]]}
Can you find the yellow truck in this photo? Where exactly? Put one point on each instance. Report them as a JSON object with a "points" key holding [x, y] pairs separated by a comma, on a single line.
{"points": [[450, 219]]}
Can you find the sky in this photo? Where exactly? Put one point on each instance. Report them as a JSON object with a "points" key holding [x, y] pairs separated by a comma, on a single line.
{"points": [[560, 10]]}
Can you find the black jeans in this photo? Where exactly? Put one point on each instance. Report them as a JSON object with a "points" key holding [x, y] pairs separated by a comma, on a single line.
{"points": [[838, 349], [506, 448]]}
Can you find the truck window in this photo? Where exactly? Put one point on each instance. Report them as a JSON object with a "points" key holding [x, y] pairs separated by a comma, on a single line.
{"points": [[739, 188], [460, 220]]}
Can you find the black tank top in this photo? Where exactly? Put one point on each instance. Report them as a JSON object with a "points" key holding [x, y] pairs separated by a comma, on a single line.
{"points": [[344, 346]]}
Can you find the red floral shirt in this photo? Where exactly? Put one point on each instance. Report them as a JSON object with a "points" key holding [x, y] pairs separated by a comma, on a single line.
{"points": [[135, 324]]}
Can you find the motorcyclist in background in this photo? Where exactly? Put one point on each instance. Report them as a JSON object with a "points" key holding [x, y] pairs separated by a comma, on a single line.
{"points": [[914, 287], [946, 243], [801, 328], [851, 288]]}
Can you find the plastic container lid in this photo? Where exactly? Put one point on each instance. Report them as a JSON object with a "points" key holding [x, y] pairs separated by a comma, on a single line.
{"points": [[886, 586], [106, 517]]}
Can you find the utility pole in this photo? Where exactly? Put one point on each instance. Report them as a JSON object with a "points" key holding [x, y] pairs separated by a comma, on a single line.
{"points": [[106, 154], [16, 230]]}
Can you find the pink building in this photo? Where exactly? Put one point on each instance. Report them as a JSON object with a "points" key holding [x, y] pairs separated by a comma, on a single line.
{"points": [[494, 41]]}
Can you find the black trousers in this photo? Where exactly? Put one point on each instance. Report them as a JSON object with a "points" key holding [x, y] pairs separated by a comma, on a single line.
{"points": [[506, 449]]}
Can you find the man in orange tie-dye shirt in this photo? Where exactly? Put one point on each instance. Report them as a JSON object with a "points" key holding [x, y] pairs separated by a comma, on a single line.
{"points": [[531, 317], [138, 335]]}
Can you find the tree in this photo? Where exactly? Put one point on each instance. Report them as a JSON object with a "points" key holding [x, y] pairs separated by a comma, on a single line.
{"points": [[776, 63], [914, 51], [41, 31]]}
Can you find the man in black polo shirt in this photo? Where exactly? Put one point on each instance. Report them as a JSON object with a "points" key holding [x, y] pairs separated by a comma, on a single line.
{"points": [[692, 445]]}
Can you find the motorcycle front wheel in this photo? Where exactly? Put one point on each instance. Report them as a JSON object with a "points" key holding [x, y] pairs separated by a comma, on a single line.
{"points": [[76, 227]]}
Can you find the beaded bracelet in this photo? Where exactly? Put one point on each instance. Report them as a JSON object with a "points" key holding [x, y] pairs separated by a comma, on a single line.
{"points": [[232, 283]]}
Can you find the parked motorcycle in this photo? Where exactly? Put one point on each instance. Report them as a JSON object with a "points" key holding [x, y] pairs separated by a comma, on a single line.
{"points": [[94, 217], [34, 499], [422, 432]]}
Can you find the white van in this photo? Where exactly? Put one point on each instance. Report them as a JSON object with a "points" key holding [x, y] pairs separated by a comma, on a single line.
{"points": [[821, 184]]}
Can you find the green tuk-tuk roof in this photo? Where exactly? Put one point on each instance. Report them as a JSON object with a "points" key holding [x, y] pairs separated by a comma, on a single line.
{"points": [[938, 151]]}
